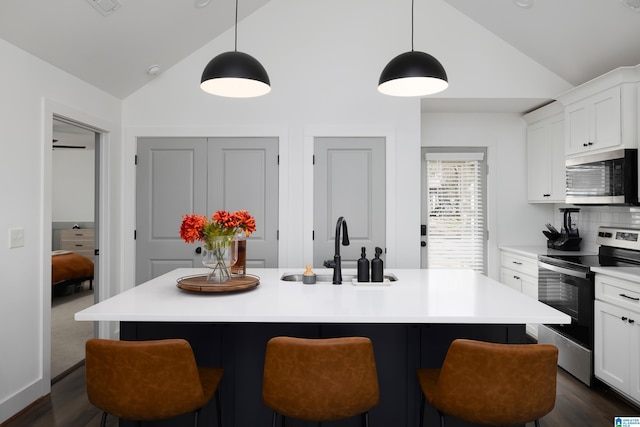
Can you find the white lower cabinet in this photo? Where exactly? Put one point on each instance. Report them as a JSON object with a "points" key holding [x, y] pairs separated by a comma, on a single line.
{"points": [[617, 337], [521, 273]]}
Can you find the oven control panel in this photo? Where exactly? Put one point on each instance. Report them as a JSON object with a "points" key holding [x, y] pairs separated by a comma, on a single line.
{"points": [[627, 238]]}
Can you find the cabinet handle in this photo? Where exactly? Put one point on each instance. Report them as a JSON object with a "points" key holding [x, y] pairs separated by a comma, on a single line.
{"points": [[591, 143], [546, 195], [628, 297], [631, 321], [516, 262], [624, 318], [516, 277], [585, 144]]}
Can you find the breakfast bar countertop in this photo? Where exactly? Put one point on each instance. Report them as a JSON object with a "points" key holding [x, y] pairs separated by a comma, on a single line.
{"points": [[419, 296]]}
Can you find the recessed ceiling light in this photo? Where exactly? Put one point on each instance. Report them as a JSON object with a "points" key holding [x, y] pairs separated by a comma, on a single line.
{"points": [[201, 3], [105, 7], [153, 70], [525, 4]]}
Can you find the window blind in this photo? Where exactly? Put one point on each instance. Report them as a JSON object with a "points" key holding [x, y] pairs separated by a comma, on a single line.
{"points": [[455, 227]]}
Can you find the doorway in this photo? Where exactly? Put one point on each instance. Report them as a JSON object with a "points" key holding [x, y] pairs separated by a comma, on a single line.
{"points": [[73, 225], [454, 205]]}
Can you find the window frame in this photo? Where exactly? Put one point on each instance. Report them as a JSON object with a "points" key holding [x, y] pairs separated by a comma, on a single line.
{"points": [[454, 153]]}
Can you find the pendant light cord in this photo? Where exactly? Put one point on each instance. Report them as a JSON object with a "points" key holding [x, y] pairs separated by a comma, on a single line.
{"points": [[236, 28], [411, 25]]}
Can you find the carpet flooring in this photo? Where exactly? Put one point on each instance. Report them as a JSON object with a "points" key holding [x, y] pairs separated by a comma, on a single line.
{"points": [[68, 336]]}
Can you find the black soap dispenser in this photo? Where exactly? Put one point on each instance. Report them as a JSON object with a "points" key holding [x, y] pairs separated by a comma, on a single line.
{"points": [[363, 266], [377, 269]]}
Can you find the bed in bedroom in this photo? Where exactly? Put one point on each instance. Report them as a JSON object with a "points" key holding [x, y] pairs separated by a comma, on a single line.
{"points": [[69, 269]]}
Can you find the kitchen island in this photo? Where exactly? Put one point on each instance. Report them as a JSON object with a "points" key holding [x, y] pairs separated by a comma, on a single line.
{"points": [[411, 322]]}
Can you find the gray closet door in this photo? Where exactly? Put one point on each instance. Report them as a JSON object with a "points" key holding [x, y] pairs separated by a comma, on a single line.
{"points": [[243, 175], [349, 181], [178, 176], [171, 181]]}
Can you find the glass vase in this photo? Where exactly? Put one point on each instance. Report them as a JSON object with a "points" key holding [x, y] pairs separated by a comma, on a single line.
{"points": [[219, 254]]}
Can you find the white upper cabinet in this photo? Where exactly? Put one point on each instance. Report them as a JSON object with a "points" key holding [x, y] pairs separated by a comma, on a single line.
{"points": [[602, 114], [546, 155], [594, 123]]}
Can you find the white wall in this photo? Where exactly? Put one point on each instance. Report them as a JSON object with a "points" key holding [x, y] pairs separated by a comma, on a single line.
{"points": [[25, 173], [511, 219], [324, 60], [324, 77], [73, 185]]}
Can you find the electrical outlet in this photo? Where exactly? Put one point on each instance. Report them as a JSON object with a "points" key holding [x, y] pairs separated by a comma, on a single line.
{"points": [[16, 237]]}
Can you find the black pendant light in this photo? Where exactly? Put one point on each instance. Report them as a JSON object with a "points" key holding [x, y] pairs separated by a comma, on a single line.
{"points": [[413, 73], [235, 74]]}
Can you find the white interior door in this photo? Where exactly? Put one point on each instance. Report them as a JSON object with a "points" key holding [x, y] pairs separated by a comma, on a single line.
{"points": [[171, 181], [243, 175], [349, 181], [178, 176]]}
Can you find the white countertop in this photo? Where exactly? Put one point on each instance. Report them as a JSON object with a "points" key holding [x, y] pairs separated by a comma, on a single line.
{"points": [[628, 273], [419, 296], [535, 250]]}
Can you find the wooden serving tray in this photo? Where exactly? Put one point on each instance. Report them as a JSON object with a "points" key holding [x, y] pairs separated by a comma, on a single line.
{"points": [[199, 283]]}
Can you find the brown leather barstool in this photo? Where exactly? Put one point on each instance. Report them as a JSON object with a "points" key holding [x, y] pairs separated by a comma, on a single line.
{"points": [[320, 379], [492, 384], [148, 380]]}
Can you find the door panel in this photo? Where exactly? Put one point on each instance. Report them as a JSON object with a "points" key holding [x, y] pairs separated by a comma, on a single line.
{"points": [[349, 181], [243, 175], [178, 176], [171, 182]]}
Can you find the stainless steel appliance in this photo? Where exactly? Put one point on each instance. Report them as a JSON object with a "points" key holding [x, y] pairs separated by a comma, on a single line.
{"points": [[609, 178], [566, 283]]}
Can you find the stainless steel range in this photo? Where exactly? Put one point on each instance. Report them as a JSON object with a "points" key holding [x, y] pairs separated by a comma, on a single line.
{"points": [[566, 283]]}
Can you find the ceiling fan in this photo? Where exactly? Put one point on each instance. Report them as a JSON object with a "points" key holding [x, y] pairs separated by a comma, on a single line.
{"points": [[81, 147]]}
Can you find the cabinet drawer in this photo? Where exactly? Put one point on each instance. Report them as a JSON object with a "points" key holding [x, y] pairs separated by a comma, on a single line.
{"points": [[80, 241], [623, 293], [83, 235], [521, 264], [76, 246], [510, 278]]}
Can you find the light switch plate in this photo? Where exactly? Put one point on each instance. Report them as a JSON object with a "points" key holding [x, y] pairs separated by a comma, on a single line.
{"points": [[16, 237]]}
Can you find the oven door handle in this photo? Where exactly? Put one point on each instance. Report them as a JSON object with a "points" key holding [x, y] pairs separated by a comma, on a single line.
{"points": [[562, 270]]}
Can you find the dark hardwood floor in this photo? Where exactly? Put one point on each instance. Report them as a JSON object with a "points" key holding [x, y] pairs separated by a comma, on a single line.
{"points": [[576, 405]]}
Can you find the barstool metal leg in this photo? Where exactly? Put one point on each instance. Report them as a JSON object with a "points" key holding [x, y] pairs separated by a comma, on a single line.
{"points": [[218, 408], [365, 419]]}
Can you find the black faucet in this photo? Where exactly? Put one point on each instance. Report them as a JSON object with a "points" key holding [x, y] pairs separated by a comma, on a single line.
{"points": [[336, 264]]}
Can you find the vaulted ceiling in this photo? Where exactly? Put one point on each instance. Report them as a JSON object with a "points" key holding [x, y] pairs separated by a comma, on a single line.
{"points": [[577, 40]]}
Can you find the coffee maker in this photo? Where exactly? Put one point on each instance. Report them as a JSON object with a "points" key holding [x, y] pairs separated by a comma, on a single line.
{"points": [[568, 239]]}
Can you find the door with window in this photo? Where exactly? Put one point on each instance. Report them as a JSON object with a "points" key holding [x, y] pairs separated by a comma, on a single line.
{"points": [[454, 198], [178, 176]]}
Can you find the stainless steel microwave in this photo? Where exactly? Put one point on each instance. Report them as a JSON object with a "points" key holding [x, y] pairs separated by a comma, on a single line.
{"points": [[609, 178]]}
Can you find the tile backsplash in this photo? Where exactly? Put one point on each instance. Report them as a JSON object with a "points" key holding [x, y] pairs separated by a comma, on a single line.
{"points": [[591, 217]]}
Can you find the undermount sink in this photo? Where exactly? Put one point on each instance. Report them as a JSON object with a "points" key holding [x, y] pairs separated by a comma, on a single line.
{"points": [[328, 278]]}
